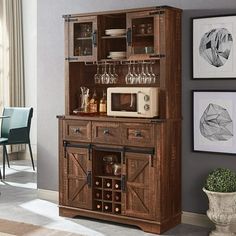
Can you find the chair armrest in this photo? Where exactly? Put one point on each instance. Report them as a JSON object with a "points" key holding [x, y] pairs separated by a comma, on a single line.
{"points": [[18, 135]]}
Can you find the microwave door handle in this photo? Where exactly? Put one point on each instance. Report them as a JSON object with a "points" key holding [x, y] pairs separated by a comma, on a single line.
{"points": [[131, 100]]}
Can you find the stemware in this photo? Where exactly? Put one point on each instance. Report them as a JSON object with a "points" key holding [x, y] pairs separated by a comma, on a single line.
{"points": [[135, 75], [129, 76], [153, 75], [115, 75], [105, 76], [148, 78], [142, 76], [97, 76], [111, 79]]}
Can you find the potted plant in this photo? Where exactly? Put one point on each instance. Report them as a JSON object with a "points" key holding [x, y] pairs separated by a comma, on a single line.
{"points": [[220, 188]]}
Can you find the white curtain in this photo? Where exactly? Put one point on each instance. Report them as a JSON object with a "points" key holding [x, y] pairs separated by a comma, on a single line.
{"points": [[12, 87], [4, 58]]}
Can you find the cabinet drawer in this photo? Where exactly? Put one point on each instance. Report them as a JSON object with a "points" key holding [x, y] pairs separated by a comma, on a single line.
{"points": [[103, 132], [138, 135], [77, 130]]}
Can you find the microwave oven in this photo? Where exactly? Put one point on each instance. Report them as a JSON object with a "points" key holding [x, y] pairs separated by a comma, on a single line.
{"points": [[133, 101]]}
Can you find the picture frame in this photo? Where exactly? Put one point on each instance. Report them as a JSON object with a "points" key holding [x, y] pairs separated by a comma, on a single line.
{"points": [[214, 121], [214, 47]]}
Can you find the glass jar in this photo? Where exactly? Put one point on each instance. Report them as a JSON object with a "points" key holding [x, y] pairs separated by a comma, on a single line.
{"points": [[149, 28], [117, 169], [108, 164], [142, 29]]}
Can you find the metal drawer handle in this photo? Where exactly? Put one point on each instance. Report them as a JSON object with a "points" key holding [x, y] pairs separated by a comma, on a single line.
{"points": [[76, 130], [137, 133], [106, 131]]}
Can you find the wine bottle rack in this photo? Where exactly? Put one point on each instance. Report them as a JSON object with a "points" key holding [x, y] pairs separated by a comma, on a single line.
{"points": [[107, 194]]}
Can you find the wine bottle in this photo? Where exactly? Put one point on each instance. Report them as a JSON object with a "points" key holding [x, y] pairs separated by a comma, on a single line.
{"points": [[97, 195], [108, 196], [117, 209], [117, 186], [108, 184], [98, 206], [117, 198], [106, 207], [93, 103], [97, 183]]}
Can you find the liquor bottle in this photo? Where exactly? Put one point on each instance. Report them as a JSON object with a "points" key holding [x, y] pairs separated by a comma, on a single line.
{"points": [[93, 103], [103, 104]]}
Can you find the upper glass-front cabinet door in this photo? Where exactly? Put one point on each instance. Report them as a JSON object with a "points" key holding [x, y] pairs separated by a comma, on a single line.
{"points": [[82, 38], [143, 35]]}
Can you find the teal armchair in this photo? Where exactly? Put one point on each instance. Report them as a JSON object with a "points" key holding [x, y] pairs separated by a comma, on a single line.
{"points": [[15, 130]]}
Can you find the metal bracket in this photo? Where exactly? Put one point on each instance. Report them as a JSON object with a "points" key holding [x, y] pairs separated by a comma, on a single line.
{"points": [[65, 145], [70, 20], [71, 59], [89, 179]]}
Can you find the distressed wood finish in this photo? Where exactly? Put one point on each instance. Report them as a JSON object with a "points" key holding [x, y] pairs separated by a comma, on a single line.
{"points": [[148, 150], [107, 133], [138, 134], [75, 130], [77, 193], [140, 188], [72, 37]]}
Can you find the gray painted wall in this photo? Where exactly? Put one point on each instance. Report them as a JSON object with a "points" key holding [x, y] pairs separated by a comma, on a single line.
{"points": [[195, 165], [50, 89]]}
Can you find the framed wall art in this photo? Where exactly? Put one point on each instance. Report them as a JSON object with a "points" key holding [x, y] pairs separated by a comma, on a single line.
{"points": [[214, 121], [214, 47]]}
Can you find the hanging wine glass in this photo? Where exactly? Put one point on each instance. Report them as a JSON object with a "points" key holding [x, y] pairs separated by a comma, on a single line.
{"points": [[111, 79], [97, 76], [105, 76], [153, 75], [148, 78], [129, 76], [142, 75], [115, 75], [138, 75], [135, 76]]}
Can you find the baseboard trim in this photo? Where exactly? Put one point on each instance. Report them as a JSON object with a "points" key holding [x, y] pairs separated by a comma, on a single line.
{"points": [[195, 219], [201, 220], [48, 195]]}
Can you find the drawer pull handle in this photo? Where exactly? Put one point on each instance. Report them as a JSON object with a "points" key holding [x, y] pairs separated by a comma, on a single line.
{"points": [[106, 131], [77, 130], [137, 133]]}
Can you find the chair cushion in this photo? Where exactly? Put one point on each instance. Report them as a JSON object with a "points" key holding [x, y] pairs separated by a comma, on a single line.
{"points": [[3, 140]]}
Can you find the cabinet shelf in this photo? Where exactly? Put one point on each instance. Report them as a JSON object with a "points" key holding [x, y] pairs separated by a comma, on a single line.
{"points": [[114, 37], [84, 38], [108, 177], [143, 35]]}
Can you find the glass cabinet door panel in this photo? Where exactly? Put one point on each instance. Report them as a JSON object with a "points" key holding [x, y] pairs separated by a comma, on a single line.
{"points": [[83, 38], [142, 35]]}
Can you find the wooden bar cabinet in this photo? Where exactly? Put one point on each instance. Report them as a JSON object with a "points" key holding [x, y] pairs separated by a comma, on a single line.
{"points": [[146, 189]]}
